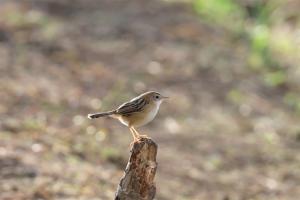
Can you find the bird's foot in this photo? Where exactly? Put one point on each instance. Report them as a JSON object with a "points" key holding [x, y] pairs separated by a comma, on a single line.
{"points": [[134, 141], [143, 136]]}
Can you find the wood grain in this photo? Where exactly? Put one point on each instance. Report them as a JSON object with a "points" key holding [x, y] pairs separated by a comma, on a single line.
{"points": [[137, 182]]}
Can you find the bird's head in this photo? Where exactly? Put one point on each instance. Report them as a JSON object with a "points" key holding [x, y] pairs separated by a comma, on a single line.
{"points": [[154, 97]]}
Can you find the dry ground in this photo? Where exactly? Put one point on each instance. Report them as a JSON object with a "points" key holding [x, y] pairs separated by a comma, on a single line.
{"points": [[223, 134]]}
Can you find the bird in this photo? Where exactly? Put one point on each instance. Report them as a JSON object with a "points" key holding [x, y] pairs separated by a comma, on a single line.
{"points": [[137, 112]]}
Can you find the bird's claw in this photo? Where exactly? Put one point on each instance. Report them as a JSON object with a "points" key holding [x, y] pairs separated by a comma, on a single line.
{"points": [[143, 136], [134, 141]]}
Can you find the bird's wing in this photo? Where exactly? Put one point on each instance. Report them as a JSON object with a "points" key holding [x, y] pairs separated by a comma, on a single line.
{"points": [[135, 105]]}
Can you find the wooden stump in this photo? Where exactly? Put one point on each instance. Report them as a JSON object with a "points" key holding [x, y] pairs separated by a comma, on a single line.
{"points": [[137, 182]]}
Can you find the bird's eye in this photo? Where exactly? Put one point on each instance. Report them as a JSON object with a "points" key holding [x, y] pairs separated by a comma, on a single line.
{"points": [[157, 97]]}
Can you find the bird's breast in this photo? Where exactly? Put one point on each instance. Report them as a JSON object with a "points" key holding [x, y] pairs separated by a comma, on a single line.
{"points": [[149, 116], [141, 118]]}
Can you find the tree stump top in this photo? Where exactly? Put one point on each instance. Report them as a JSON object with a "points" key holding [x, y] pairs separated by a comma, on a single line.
{"points": [[137, 182]]}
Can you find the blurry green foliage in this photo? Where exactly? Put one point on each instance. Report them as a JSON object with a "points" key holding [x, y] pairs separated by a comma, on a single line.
{"points": [[270, 137], [260, 38], [213, 162], [32, 124], [224, 12], [283, 45], [259, 43], [275, 78], [255, 21], [109, 153], [270, 48], [261, 11], [20, 19], [48, 28], [235, 96]]}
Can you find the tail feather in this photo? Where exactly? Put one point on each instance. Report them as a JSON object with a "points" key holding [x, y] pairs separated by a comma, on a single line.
{"points": [[102, 114]]}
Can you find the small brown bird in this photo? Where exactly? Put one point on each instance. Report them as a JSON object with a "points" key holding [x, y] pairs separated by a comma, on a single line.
{"points": [[136, 112]]}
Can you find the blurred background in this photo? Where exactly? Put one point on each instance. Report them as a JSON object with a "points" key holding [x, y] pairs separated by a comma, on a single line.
{"points": [[230, 130]]}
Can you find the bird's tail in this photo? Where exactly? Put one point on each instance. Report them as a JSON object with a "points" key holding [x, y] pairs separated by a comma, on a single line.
{"points": [[102, 114]]}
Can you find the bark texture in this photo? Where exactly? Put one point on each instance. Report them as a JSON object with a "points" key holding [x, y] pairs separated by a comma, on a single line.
{"points": [[137, 182]]}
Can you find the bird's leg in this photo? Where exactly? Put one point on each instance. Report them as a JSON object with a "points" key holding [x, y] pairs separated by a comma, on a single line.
{"points": [[134, 135], [139, 135], [136, 132]]}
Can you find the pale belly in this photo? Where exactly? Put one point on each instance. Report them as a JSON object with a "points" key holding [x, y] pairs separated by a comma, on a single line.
{"points": [[139, 119]]}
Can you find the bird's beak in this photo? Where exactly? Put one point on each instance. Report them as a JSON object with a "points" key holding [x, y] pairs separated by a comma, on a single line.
{"points": [[165, 97]]}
